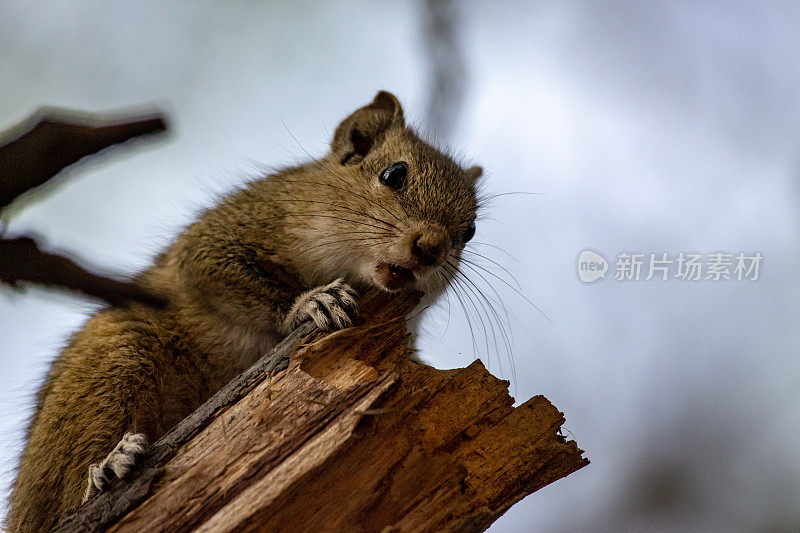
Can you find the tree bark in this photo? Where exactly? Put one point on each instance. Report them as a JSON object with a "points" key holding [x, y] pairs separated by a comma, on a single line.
{"points": [[352, 436]]}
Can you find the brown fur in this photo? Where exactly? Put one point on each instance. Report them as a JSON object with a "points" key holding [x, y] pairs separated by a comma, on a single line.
{"points": [[232, 279]]}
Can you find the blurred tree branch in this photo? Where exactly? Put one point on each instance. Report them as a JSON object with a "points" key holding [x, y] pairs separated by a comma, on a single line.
{"points": [[34, 152], [447, 65]]}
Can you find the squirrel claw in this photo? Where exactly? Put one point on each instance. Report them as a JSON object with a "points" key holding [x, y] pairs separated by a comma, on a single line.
{"points": [[331, 307], [119, 463]]}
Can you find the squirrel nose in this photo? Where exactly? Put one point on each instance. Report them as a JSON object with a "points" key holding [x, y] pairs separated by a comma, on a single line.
{"points": [[429, 247]]}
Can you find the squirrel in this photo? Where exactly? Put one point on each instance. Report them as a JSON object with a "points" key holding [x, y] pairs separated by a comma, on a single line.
{"points": [[382, 209]]}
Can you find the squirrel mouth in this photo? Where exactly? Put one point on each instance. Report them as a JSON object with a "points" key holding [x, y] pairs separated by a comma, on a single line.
{"points": [[394, 276]]}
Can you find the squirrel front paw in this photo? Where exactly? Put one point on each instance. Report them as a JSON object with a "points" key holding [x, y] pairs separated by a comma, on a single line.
{"points": [[331, 307], [119, 463]]}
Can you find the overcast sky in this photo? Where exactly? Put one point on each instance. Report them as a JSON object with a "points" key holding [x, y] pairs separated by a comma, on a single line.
{"points": [[647, 127]]}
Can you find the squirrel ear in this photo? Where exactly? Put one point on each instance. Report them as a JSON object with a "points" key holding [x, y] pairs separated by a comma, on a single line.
{"points": [[362, 130], [473, 173]]}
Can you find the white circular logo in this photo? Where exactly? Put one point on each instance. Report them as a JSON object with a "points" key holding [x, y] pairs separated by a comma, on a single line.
{"points": [[591, 266]]}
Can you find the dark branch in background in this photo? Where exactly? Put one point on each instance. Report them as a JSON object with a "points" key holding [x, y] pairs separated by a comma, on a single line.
{"points": [[447, 66], [53, 139], [21, 260], [31, 154]]}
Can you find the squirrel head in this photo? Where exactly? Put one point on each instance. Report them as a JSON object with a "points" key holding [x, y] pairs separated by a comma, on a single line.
{"points": [[399, 211]]}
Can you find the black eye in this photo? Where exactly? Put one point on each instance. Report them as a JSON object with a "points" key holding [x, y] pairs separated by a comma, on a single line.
{"points": [[469, 233], [395, 175]]}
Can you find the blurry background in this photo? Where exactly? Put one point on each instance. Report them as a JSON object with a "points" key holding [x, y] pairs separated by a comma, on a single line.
{"points": [[649, 127]]}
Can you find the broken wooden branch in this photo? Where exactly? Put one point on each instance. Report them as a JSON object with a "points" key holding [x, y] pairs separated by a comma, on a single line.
{"points": [[352, 436]]}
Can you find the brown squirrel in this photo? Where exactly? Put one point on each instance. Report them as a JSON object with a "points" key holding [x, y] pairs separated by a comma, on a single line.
{"points": [[382, 209]]}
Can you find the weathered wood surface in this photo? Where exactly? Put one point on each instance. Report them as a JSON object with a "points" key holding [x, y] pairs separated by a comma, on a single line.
{"points": [[352, 436]]}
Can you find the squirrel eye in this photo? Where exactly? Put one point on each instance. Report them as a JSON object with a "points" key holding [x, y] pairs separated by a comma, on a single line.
{"points": [[469, 233], [395, 175]]}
